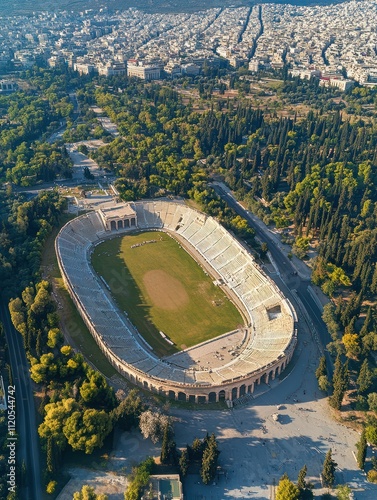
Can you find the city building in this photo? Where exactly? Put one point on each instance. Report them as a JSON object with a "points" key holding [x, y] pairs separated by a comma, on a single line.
{"points": [[145, 72]]}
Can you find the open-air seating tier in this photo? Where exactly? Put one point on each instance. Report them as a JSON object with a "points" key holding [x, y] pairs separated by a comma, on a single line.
{"points": [[271, 335]]}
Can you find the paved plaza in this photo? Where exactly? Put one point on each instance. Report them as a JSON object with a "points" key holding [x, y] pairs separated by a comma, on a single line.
{"points": [[256, 450]]}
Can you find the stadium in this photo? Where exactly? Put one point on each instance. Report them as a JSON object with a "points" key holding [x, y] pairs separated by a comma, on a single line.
{"points": [[225, 367]]}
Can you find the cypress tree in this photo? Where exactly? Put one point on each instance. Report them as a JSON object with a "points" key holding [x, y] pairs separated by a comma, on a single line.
{"points": [[196, 449], [184, 462], [322, 369], [209, 461], [328, 471], [368, 323], [365, 378], [374, 280], [301, 483], [50, 456], [361, 450], [340, 383], [164, 457], [39, 343]]}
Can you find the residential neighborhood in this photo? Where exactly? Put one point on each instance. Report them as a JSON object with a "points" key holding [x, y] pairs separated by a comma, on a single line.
{"points": [[336, 41]]}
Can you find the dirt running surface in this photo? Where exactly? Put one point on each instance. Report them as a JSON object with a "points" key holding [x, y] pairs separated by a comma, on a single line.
{"points": [[165, 291]]}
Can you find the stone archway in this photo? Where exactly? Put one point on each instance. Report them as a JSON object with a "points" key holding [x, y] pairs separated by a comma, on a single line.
{"points": [[113, 225], [171, 395], [181, 396], [222, 395], [212, 397]]}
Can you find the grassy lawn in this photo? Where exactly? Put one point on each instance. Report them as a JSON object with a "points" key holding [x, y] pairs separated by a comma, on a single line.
{"points": [[162, 288]]}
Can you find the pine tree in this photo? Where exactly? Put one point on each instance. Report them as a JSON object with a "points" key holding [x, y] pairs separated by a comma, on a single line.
{"points": [[328, 471], [23, 478], [361, 450]]}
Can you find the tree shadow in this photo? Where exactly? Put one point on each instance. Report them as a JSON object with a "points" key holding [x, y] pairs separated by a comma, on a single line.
{"points": [[285, 419]]}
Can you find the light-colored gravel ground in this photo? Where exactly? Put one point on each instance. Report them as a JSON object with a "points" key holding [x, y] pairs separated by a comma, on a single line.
{"points": [[256, 450]]}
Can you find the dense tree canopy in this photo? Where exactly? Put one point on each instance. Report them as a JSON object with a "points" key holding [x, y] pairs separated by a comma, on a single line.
{"points": [[24, 229]]}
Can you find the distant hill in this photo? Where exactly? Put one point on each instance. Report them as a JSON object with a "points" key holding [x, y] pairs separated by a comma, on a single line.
{"points": [[8, 7]]}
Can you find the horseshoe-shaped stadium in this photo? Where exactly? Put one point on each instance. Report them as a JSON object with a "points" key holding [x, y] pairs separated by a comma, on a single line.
{"points": [[227, 367]]}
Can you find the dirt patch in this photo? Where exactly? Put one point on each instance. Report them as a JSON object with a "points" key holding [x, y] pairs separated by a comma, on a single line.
{"points": [[103, 482], [165, 291]]}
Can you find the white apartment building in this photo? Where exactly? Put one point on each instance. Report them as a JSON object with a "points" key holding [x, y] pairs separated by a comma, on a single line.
{"points": [[145, 72]]}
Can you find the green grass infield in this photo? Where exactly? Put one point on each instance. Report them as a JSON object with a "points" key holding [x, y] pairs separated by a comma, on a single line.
{"points": [[163, 289]]}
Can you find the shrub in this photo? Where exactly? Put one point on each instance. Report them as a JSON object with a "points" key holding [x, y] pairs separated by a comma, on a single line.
{"points": [[51, 487], [372, 476]]}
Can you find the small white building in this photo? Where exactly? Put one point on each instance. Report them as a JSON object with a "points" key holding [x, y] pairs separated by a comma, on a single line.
{"points": [[121, 217]]}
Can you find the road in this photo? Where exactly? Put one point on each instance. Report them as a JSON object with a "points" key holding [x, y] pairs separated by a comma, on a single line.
{"points": [[27, 449], [294, 286]]}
